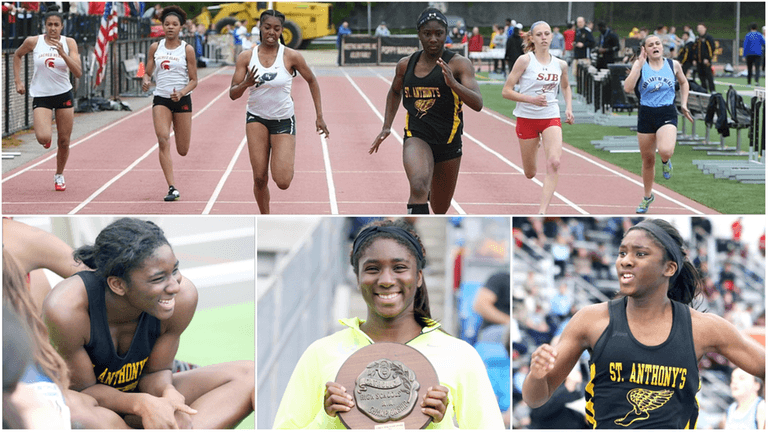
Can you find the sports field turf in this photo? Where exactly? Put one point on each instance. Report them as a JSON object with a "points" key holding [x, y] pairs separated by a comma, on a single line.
{"points": [[725, 196], [221, 335]]}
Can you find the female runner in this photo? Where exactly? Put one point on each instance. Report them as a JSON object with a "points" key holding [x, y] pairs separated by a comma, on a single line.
{"points": [[646, 344], [119, 326], [653, 78], [433, 84], [54, 56], [270, 126], [538, 114], [388, 260], [176, 78]]}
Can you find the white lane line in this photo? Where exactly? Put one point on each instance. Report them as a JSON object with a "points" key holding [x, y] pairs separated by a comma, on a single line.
{"points": [[329, 176], [137, 161], [517, 168], [224, 177], [93, 134], [454, 204], [604, 167]]}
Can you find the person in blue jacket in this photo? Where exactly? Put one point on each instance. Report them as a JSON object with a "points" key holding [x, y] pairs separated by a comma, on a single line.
{"points": [[343, 30], [754, 45]]}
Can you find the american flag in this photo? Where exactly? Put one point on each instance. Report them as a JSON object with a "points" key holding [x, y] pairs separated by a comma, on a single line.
{"points": [[107, 33]]}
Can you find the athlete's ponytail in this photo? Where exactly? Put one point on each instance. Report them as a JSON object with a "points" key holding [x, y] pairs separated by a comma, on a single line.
{"points": [[122, 246], [686, 284]]}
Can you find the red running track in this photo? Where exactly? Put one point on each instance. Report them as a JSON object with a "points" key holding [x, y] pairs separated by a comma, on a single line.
{"points": [[115, 170]]}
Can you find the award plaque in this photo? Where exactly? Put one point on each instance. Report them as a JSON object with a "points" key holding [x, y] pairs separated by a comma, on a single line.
{"points": [[388, 382]]}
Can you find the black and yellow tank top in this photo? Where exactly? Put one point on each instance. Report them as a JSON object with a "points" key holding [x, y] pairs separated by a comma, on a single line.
{"points": [[433, 109], [121, 372], [637, 386]]}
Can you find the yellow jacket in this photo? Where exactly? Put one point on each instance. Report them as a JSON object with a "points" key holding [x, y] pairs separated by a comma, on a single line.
{"points": [[471, 402]]}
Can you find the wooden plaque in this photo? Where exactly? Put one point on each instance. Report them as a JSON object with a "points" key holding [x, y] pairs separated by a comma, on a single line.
{"points": [[388, 382]]}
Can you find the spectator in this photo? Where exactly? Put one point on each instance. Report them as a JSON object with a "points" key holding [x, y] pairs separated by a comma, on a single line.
{"points": [[748, 410], [704, 50], [689, 30], [634, 33], [382, 30], [754, 44], [583, 42], [492, 303], [685, 57], [558, 41], [152, 12], [246, 36], [569, 35], [200, 40], [672, 40], [728, 280], [561, 303], [499, 42], [513, 48], [555, 413], [343, 31], [237, 34], [475, 44], [256, 33], [608, 46]]}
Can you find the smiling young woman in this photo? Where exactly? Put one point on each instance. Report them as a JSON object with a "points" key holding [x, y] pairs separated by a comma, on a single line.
{"points": [[118, 328], [644, 345], [388, 260]]}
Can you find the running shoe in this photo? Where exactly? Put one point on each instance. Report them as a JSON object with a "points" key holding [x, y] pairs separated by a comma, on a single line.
{"points": [[667, 169], [58, 182], [643, 207], [173, 194]]}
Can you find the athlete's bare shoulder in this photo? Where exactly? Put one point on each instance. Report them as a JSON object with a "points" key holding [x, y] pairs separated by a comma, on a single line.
{"points": [[590, 322], [65, 310]]}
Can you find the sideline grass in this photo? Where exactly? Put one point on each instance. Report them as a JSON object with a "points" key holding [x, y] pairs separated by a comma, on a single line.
{"points": [[724, 196], [221, 335]]}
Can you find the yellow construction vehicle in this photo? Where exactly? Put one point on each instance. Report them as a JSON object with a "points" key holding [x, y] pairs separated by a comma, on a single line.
{"points": [[303, 21]]}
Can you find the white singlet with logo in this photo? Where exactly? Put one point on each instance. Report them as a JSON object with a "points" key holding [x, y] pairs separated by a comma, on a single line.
{"points": [[51, 76], [536, 80], [270, 98], [171, 66]]}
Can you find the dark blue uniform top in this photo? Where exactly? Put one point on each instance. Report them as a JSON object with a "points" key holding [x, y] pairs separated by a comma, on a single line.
{"points": [[119, 371], [637, 386]]}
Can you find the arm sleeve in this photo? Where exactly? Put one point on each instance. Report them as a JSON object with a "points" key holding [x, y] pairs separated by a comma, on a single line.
{"points": [[475, 404], [302, 403]]}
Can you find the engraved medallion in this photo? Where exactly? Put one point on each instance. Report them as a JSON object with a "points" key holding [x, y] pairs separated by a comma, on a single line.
{"points": [[387, 390], [387, 381]]}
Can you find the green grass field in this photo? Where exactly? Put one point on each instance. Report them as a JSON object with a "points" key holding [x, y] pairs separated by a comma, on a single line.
{"points": [[221, 335], [725, 196]]}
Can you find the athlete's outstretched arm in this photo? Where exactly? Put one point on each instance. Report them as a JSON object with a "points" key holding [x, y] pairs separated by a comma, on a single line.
{"points": [[394, 95], [712, 333], [565, 87], [314, 89], [466, 86], [26, 47], [551, 365], [684, 89]]}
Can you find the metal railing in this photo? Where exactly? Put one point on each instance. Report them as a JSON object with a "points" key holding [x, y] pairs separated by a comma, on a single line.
{"points": [[292, 308]]}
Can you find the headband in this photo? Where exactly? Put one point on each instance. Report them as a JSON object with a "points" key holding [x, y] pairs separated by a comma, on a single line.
{"points": [[535, 24], [667, 241], [397, 231], [432, 15], [181, 20]]}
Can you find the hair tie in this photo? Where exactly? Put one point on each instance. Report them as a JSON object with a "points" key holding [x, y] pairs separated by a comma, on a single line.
{"points": [[400, 232], [666, 240]]}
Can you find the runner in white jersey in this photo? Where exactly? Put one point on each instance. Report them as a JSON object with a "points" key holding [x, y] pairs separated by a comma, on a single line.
{"points": [[176, 78], [538, 114], [54, 56], [270, 126]]}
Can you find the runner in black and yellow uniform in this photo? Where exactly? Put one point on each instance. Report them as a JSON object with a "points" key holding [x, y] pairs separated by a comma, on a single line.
{"points": [[433, 84]]}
